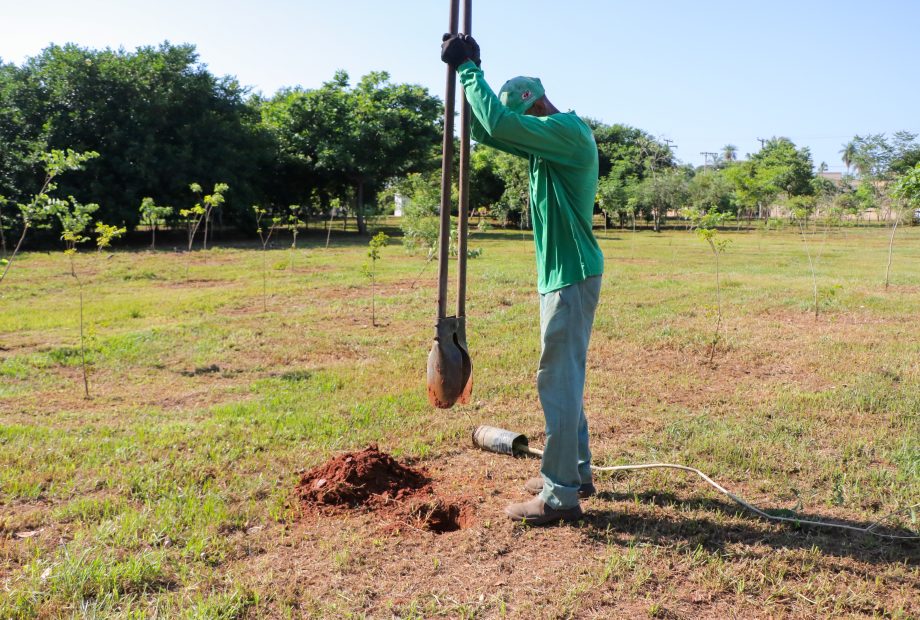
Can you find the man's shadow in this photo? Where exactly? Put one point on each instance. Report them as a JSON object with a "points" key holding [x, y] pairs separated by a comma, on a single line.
{"points": [[713, 534]]}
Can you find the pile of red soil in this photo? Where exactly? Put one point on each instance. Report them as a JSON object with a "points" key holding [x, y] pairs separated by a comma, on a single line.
{"points": [[368, 478]]}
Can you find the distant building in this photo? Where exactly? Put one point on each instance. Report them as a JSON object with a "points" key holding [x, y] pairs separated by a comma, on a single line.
{"points": [[839, 179], [399, 201]]}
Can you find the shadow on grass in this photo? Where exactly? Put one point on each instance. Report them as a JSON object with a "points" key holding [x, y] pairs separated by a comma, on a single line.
{"points": [[661, 525]]}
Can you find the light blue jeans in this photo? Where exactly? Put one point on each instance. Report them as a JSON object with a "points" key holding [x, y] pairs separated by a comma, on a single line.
{"points": [[566, 317]]}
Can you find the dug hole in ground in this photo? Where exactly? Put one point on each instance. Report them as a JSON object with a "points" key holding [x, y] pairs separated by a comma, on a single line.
{"points": [[371, 480]]}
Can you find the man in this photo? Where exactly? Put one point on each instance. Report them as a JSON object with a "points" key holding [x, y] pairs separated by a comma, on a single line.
{"points": [[562, 156]]}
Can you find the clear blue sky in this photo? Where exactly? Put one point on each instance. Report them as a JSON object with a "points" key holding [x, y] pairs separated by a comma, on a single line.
{"points": [[702, 73]]}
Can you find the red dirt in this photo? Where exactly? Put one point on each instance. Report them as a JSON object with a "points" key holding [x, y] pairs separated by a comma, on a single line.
{"points": [[366, 478], [374, 480]]}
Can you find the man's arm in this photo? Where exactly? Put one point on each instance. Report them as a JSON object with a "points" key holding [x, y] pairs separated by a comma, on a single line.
{"points": [[518, 134], [479, 134]]}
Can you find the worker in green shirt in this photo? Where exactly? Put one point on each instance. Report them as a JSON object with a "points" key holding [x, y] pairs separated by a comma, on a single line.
{"points": [[562, 157]]}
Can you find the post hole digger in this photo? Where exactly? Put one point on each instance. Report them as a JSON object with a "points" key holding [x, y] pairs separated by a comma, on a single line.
{"points": [[450, 369]]}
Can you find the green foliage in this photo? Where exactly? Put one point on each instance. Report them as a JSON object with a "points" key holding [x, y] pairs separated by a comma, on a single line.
{"points": [[454, 247], [778, 169], [907, 187], [106, 233], [201, 212], [613, 195], [657, 194], [294, 222], [421, 195], [377, 242], [499, 182], [42, 207], [710, 191], [153, 216], [156, 114], [339, 136], [74, 218]]}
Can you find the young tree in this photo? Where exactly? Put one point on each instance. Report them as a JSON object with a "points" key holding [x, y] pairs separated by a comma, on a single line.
{"points": [[42, 206], [153, 216], [802, 207], [201, 212], [706, 222], [265, 217], [3, 201], [210, 202], [294, 222], [75, 218], [105, 234], [906, 189], [376, 243]]}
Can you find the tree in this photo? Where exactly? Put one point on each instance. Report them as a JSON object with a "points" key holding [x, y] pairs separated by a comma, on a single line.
{"points": [[210, 202], [907, 189], [156, 114], [337, 136], [43, 206], [421, 195], [75, 218], [613, 197], [802, 207], [706, 222], [729, 153], [373, 252], [153, 216], [660, 193], [848, 154], [626, 156], [778, 169], [711, 192], [273, 222]]}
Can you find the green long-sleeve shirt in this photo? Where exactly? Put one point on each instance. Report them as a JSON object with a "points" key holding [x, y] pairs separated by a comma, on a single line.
{"points": [[563, 179]]}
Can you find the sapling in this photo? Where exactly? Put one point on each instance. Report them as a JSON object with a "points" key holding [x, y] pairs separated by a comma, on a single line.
{"points": [[377, 241], [153, 216], [3, 201], [907, 189], [201, 212], [265, 237], [801, 207], [294, 223], [74, 218], [39, 210], [211, 201], [706, 224]]}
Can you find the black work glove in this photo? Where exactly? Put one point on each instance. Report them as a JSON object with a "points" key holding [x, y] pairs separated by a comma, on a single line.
{"points": [[458, 48]]}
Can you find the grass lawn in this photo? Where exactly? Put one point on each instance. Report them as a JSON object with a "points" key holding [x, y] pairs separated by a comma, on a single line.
{"points": [[168, 493]]}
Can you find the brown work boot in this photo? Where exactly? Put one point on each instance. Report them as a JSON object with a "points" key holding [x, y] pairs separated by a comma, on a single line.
{"points": [[535, 485], [538, 512]]}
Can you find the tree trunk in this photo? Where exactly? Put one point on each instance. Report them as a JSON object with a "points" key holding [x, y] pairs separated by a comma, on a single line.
{"points": [[2, 236], [359, 209], [890, 249], [9, 262]]}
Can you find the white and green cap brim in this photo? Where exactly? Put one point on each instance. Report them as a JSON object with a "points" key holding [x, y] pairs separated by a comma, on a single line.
{"points": [[519, 93]]}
